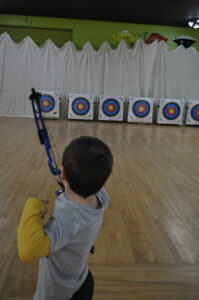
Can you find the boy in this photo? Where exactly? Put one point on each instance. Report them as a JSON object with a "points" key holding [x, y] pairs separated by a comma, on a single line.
{"points": [[64, 243]]}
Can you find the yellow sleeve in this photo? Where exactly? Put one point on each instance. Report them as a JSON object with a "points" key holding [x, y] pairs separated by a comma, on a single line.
{"points": [[32, 241]]}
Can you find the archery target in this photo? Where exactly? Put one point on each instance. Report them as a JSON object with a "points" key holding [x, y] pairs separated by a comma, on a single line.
{"points": [[111, 108], [170, 111], [49, 104], [81, 106], [195, 113], [140, 110], [192, 113]]}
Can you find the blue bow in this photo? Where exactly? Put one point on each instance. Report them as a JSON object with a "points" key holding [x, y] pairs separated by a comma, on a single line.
{"points": [[43, 136]]}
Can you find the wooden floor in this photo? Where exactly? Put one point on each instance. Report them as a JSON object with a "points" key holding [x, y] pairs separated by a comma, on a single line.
{"points": [[148, 247]]}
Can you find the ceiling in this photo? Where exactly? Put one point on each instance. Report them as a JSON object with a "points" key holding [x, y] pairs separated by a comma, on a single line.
{"points": [[169, 12]]}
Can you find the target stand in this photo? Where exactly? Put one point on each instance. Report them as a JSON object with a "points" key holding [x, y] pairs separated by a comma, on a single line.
{"points": [[170, 111], [49, 104], [192, 112], [140, 110], [111, 108], [81, 106]]}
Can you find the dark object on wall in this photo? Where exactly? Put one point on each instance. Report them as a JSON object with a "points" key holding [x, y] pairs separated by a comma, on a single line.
{"points": [[155, 37], [185, 40]]}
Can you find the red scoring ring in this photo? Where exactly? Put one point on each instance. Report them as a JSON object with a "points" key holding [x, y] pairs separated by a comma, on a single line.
{"points": [[170, 112], [80, 106], [45, 100], [110, 107], [139, 108]]}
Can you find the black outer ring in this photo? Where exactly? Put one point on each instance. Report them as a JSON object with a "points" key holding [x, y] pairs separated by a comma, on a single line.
{"points": [[74, 109], [135, 113], [117, 110]]}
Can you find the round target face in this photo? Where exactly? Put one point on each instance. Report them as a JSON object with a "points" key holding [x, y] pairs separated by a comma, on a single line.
{"points": [[141, 108], [111, 107], [195, 112], [171, 111], [80, 106], [47, 103]]}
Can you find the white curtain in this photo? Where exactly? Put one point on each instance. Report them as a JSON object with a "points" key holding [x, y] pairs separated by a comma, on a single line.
{"points": [[175, 73], [146, 70]]}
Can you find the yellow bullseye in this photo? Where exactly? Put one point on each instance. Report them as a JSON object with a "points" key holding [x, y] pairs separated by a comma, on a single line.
{"points": [[45, 103], [171, 111], [111, 107], [141, 109], [81, 106]]}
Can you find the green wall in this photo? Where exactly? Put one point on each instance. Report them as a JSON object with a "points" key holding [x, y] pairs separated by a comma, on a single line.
{"points": [[38, 35], [97, 31]]}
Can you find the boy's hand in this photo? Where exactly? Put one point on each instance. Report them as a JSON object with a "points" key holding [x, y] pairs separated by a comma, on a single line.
{"points": [[45, 202], [57, 178]]}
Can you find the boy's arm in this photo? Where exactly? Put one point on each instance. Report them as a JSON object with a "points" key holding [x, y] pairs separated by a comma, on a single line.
{"points": [[33, 242]]}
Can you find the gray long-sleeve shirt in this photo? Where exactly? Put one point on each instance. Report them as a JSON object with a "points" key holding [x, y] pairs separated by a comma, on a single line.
{"points": [[72, 230]]}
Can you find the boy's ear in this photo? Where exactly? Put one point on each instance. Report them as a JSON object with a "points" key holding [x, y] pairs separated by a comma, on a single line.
{"points": [[62, 175]]}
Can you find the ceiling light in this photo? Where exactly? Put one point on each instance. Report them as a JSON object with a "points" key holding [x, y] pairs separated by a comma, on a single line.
{"points": [[194, 23], [196, 26]]}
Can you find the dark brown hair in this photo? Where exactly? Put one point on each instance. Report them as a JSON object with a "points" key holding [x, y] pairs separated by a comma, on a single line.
{"points": [[87, 163]]}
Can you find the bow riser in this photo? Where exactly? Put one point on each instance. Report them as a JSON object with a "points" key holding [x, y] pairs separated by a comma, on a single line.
{"points": [[43, 136]]}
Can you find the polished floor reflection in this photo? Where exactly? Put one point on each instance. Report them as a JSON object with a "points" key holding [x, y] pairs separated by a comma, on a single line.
{"points": [[149, 243]]}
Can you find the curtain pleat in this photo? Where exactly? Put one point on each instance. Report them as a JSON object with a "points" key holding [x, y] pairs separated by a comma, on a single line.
{"points": [[145, 70]]}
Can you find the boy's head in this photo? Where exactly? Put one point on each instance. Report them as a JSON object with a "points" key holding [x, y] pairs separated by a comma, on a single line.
{"points": [[87, 164]]}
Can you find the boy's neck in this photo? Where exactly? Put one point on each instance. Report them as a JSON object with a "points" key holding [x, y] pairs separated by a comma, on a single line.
{"points": [[91, 201]]}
